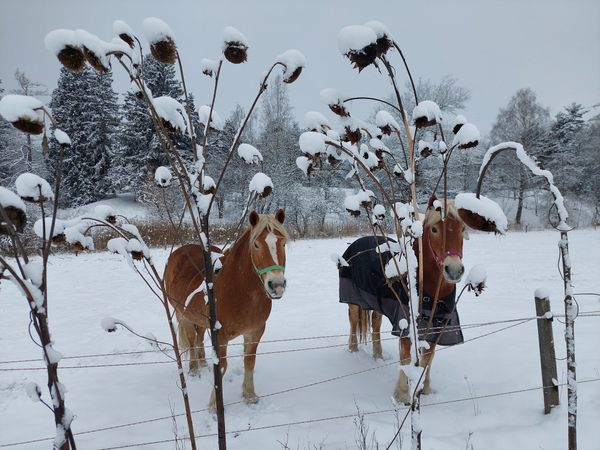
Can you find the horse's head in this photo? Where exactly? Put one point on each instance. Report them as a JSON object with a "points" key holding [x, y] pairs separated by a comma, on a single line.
{"points": [[443, 240], [267, 250]]}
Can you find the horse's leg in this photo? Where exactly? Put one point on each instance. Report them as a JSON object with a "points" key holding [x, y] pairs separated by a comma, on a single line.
{"points": [[212, 404], [426, 360], [376, 334], [250, 346], [187, 341], [353, 317], [401, 394], [199, 344]]}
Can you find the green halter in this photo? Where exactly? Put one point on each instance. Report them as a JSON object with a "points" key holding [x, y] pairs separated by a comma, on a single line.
{"points": [[268, 269]]}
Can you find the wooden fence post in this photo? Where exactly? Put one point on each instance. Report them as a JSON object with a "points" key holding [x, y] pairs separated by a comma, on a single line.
{"points": [[547, 354]]}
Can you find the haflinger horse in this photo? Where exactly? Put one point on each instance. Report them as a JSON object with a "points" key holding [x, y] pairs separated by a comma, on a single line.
{"points": [[364, 288], [252, 275]]}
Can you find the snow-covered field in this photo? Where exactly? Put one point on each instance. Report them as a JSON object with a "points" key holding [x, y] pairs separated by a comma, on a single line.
{"points": [[86, 288]]}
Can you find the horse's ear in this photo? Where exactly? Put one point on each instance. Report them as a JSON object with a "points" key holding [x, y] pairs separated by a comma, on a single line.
{"points": [[280, 215], [253, 218]]}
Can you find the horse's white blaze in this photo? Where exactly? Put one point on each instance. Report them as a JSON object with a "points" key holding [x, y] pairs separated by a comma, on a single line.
{"points": [[271, 241]]}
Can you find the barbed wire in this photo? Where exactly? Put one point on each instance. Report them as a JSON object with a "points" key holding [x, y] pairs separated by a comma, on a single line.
{"points": [[345, 335], [284, 391]]}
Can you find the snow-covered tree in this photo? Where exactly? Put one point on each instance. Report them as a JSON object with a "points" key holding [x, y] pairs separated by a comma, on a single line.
{"points": [[526, 121], [85, 106]]}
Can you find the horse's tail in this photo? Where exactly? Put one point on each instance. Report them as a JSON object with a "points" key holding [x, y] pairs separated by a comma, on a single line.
{"points": [[364, 324]]}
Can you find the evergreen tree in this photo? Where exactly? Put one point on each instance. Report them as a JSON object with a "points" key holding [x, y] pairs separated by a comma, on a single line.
{"points": [[139, 152], [11, 156], [85, 107]]}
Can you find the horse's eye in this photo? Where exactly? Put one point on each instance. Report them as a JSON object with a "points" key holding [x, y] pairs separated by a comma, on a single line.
{"points": [[255, 245], [434, 230]]}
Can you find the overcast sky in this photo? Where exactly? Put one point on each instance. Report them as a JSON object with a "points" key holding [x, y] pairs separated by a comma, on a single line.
{"points": [[493, 49]]}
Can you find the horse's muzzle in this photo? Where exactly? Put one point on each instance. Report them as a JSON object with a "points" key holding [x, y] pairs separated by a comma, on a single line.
{"points": [[275, 286], [453, 269]]}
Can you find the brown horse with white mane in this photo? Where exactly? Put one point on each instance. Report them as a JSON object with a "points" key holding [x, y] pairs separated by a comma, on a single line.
{"points": [[364, 288], [252, 275]]}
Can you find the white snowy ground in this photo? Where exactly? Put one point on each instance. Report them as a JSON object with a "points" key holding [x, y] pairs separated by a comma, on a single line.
{"points": [[86, 288]]}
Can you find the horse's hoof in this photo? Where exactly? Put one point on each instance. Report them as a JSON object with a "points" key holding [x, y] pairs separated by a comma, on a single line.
{"points": [[427, 390], [378, 355], [353, 348], [251, 399]]}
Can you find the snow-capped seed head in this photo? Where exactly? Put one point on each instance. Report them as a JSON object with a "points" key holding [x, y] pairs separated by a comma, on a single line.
{"points": [[62, 138], [386, 122], [208, 185], [163, 177], [315, 121], [359, 44], [312, 143], [249, 154], [459, 121], [352, 134], [384, 39], [235, 46], [171, 112], [14, 208], [425, 149], [294, 61], [467, 136], [476, 279], [67, 49], [33, 188], [136, 249], [209, 67], [109, 324], [261, 185], [379, 212], [426, 114], [335, 100], [216, 123], [94, 50], [124, 31], [481, 213], [25, 113], [161, 39], [106, 213], [353, 203], [304, 164]]}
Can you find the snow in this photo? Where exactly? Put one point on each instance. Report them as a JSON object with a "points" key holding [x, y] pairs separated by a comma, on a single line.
{"points": [[303, 164], [216, 123], [34, 272], [312, 143], [109, 324], [428, 109], [74, 235], [61, 137], [52, 356], [9, 198], [355, 38], [156, 30], [384, 119], [232, 35], [502, 422], [29, 186], [14, 107], [315, 121], [459, 120], [293, 60], [477, 275], [56, 40], [171, 111], [467, 136], [260, 182], [163, 176], [542, 292], [379, 29], [209, 67], [249, 154], [38, 227], [208, 183], [483, 206], [94, 44], [33, 391], [120, 27], [379, 211]]}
